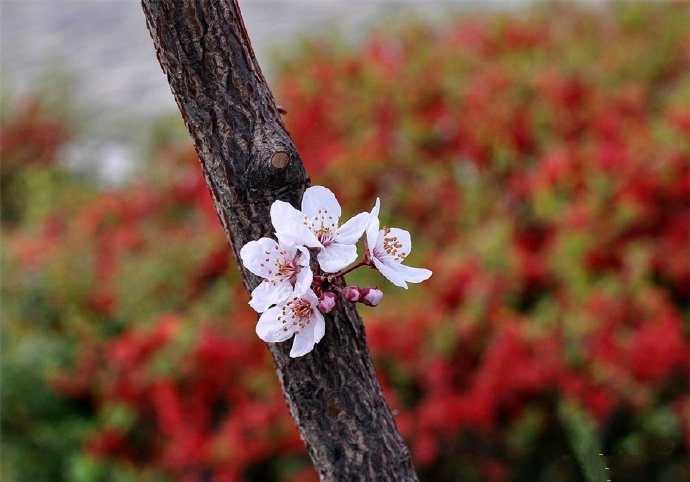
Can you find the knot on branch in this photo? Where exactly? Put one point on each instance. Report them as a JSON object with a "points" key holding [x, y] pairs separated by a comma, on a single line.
{"points": [[275, 165], [279, 160]]}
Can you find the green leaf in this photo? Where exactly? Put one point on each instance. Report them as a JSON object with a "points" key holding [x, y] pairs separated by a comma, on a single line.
{"points": [[584, 441]]}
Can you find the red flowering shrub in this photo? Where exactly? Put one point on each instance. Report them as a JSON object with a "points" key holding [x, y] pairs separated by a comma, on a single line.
{"points": [[31, 141], [542, 163]]}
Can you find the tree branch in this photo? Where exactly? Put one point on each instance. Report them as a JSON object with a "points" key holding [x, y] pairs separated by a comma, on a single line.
{"points": [[249, 161]]}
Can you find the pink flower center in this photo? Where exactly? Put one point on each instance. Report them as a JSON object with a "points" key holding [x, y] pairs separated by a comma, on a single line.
{"points": [[297, 311], [325, 236], [322, 225], [286, 268], [300, 308]]}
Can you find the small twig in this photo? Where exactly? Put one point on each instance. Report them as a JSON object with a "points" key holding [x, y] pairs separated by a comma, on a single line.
{"points": [[332, 277]]}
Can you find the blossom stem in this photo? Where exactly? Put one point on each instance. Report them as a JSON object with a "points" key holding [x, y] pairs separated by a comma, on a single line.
{"points": [[334, 276]]}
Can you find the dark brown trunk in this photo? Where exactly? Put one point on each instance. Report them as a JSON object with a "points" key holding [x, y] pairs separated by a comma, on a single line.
{"points": [[249, 161]]}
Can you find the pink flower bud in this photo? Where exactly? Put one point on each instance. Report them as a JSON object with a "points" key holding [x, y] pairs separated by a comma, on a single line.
{"points": [[371, 296], [351, 293], [327, 302]]}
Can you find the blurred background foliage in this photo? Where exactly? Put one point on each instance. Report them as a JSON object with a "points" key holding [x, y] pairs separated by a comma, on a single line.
{"points": [[541, 160]]}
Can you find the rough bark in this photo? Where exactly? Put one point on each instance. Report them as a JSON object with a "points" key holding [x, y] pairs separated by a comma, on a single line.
{"points": [[249, 161]]}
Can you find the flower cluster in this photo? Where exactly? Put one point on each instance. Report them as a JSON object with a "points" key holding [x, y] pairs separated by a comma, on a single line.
{"points": [[291, 298]]}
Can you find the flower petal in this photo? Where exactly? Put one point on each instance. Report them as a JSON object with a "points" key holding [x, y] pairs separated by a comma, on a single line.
{"points": [[320, 201], [389, 273], [319, 326], [410, 274], [289, 225], [270, 329], [255, 253], [303, 280], [305, 256], [373, 227], [352, 230], [269, 293], [304, 341], [284, 215], [336, 256], [311, 297]]}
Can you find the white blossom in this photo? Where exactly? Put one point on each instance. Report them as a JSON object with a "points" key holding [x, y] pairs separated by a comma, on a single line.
{"points": [[388, 248], [297, 315], [317, 226], [283, 268]]}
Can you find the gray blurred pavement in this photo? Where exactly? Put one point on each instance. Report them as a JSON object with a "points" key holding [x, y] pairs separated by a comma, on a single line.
{"points": [[105, 48], [105, 51]]}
